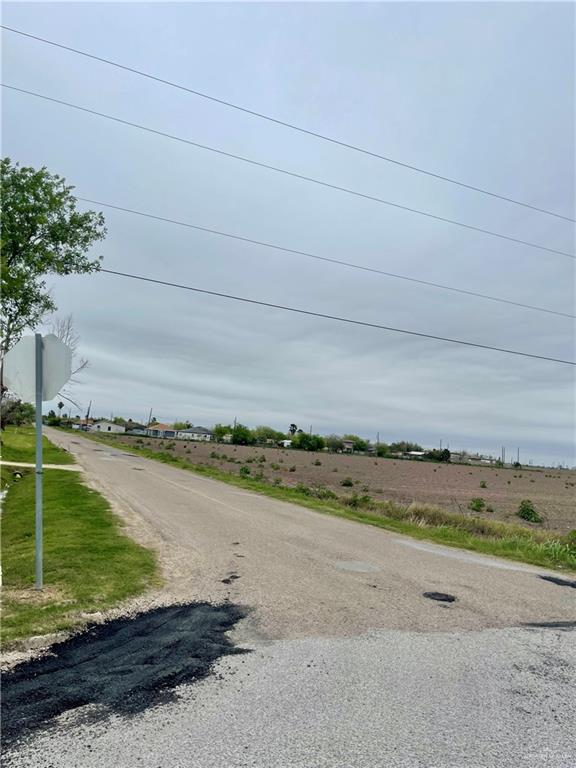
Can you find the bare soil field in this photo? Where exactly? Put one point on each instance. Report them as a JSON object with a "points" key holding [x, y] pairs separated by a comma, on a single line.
{"points": [[449, 486]]}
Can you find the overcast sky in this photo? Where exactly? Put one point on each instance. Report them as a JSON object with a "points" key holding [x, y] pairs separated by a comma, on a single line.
{"points": [[479, 92]]}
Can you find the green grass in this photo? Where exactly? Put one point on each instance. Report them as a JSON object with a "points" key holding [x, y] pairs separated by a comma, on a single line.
{"points": [[420, 521], [18, 444], [89, 564]]}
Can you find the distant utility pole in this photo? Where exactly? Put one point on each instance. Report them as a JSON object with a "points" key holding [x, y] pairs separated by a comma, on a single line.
{"points": [[518, 455], [149, 418], [377, 439], [503, 455], [234, 422], [310, 429], [440, 443]]}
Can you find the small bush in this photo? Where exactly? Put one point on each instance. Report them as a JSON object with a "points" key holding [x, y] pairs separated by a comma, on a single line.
{"points": [[355, 501], [317, 463], [477, 504], [244, 471], [292, 468], [304, 489], [527, 512], [365, 488], [483, 484], [250, 460], [347, 482], [274, 466], [335, 469], [259, 475], [490, 509], [214, 455], [262, 459], [323, 493], [277, 481], [140, 441]]}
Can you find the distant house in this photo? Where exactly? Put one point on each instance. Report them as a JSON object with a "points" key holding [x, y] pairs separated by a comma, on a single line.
{"points": [[107, 426], [285, 443], [227, 438], [161, 430], [195, 433], [414, 454], [134, 428], [348, 446]]}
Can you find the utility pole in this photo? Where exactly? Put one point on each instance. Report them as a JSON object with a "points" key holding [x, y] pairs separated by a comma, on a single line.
{"points": [[234, 422], [518, 455], [440, 443], [149, 418], [377, 439], [310, 429]]}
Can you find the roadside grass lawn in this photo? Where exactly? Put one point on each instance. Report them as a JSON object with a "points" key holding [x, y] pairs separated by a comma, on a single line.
{"points": [[18, 445], [89, 564], [420, 521]]}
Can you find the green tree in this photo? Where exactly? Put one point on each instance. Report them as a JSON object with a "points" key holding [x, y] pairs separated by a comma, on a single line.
{"points": [[241, 435], [438, 455], [220, 430], [42, 233], [292, 429], [181, 425], [13, 412], [264, 433], [404, 447], [382, 449], [334, 442], [306, 442]]}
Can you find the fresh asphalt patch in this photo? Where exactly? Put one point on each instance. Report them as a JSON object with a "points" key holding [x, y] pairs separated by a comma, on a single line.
{"points": [[122, 666], [559, 582], [441, 597]]}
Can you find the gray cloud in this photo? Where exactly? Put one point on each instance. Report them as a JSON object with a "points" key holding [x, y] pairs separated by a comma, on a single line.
{"points": [[453, 87]]}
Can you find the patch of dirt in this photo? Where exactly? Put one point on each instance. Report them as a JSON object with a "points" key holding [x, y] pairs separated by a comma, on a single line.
{"points": [[122, 666], [449, 486]]}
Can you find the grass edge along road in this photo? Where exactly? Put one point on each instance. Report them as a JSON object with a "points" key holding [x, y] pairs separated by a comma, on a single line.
{"points": [[419, 521], [18, 444], [89, 563]]}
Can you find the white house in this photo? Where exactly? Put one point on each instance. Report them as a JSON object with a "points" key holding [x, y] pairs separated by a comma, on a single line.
{"points": [[285, 443], [161, 430], [107, 426], [195, 433]]}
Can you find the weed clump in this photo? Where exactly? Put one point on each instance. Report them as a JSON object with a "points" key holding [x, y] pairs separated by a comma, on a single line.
{"points": [[477, 504], [347, 482], [527, 511]]}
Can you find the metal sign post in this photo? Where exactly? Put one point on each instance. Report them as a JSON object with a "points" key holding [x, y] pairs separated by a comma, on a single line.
{"points": [[38, 529], [36, 369]]}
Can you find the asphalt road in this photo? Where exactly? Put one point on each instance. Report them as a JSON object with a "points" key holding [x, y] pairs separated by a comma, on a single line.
{"points": [[351, 665]]}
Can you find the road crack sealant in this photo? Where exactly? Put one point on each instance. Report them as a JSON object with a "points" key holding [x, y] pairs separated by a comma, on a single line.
{"points": [[122, 666]]}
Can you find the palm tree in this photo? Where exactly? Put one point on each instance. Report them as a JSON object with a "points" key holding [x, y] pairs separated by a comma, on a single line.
{"points": [[60, 406]]}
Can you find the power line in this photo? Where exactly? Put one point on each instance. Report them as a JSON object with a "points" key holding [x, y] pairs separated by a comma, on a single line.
{"points": [[292, 174], [323, 258], [283, 123], [333, 317]]}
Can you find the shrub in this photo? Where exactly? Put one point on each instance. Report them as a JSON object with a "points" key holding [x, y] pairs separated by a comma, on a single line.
{"points": [[527, 512], [214, 455], [292, 468], [274, 466], [335, 469], [244, 471], [355, 501], [304, 489], [259, 475], [477, 504], [483, 484], [277, 481], [323, 493], [347, 482], [317, 463], [140, 441], [262, 459]]}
